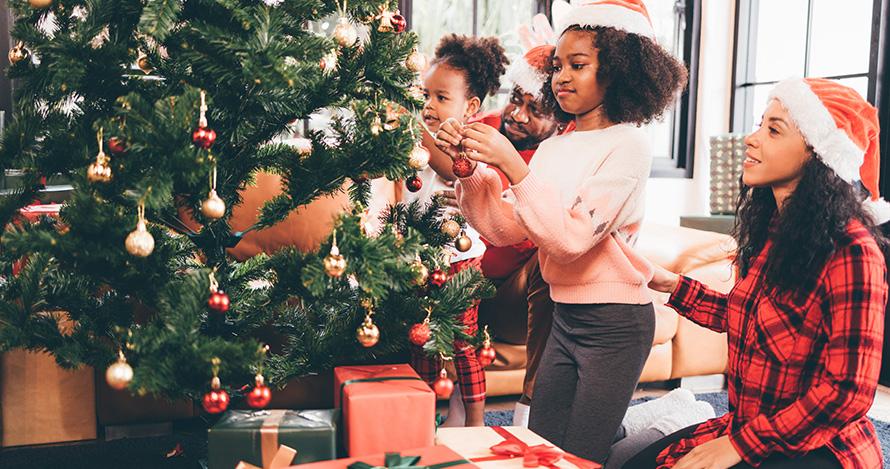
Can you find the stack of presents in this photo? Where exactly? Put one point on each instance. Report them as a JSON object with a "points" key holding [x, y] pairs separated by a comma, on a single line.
{"points": [[385, 417]]}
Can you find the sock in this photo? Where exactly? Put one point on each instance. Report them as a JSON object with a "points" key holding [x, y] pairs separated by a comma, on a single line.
{"points": [[457, 416], [694, 413], [520, 415], [641, 416]]}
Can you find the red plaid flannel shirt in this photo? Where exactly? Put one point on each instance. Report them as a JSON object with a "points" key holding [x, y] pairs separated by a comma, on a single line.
{"points": [[803, 372]]}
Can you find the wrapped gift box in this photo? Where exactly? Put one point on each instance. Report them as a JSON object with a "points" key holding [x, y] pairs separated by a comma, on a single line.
{"points": [[385, 408], [508, 447], [432, 457], [255, 436]]}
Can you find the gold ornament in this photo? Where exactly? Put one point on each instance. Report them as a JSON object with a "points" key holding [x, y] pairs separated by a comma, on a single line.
{"points": [[40, 4], [421, 273], [119, 374], [143, 64], [416, 61], [213, 207], [140, 242], [451, 228], [368, 334], [393, 115], [463, 243], [335, 264], [419, 158], [18, 53], [100, 170], [345, 33], [385, 18], [376, 126], [328, 63]]}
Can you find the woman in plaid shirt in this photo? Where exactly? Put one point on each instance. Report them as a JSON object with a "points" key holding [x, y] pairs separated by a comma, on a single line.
{"points": [[805, 318]]}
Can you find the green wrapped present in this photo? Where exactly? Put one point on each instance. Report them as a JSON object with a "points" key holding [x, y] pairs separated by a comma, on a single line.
{"points": [[254, 437]]}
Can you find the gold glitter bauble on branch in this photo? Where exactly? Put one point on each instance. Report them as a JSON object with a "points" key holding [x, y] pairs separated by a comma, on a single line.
{"points": [[213, 206], [368, 334], [419, 157], [334, 263], [345, 33], [421, 273], [140, 242], [451, 228], [119, 374], [416, 61], [463, 243], [18, 53], [100, 170], [328, 63], [143, 64]]}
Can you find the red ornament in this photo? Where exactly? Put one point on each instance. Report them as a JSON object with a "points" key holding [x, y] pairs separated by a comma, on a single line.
{"points": [[259, 396], [419, 334], [438, 278], [399, 23], [218, 301], [463, 167], [215, 401], [486, 355], [443, 387], [414, 184], [204, 137], [116, 146]]}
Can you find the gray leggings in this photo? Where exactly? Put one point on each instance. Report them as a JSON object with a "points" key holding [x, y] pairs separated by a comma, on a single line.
{"points": [[593, 360]]}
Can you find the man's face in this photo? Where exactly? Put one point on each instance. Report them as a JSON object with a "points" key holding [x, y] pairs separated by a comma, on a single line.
{"points": [[524, 122]]}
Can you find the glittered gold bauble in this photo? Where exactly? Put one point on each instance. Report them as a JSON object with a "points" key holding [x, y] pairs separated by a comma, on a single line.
{"points": [[140, 242], [345, 33], [213, 207], [143, 64], [451, 228], [368, 334], [421, 273], [17, 54], [335, 264], [463, 243], [99, 170], [119, 374], [40, 4], [416, 61], [419, 157], [328, 63]]}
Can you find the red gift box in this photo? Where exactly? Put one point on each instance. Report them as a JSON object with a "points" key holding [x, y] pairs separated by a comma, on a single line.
{"points": [[434, 457], [33, 212], [385, 408]]}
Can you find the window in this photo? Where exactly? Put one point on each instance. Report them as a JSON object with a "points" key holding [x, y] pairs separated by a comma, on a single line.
{"points": [[677, 25], [806, 38]]}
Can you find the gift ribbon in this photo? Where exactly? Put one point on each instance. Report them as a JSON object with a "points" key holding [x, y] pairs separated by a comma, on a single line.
{"points": [[269, 435], [532, 456], [283, 457], [397, 461]]}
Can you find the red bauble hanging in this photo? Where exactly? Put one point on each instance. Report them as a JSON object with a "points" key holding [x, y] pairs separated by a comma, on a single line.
{"points": [[462, 167], [116, 146], [438, 278], [215, 401], [399, 23], [486, 355], [414, 184], [443, 387], [218, 301], [204, 137], [419, 334], [260, 395]]}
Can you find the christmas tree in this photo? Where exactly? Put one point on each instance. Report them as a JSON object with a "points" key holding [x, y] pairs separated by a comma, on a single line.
{"points": [[161, 112]]}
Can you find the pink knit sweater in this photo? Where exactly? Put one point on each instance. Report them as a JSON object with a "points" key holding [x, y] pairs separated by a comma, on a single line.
{"points": [[582, 205]]}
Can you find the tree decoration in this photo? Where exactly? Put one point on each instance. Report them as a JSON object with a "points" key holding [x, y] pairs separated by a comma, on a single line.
{"points": [[216, 400], [140, 242], [120, 373], [335, 264], [100, 170]]}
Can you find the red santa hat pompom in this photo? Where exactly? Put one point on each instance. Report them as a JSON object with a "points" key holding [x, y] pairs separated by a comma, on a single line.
{"points": [[530, 72]]}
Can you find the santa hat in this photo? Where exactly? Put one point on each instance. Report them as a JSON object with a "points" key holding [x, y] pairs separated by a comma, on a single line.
{"points": [[627, 15], [843, 130], [529, 73]]}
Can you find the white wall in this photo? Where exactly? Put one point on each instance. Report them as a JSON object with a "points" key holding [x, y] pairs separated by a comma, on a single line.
{"points": [[669, 198]]}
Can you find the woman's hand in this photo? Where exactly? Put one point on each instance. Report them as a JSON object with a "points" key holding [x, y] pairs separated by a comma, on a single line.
{"points": [[715, 454], [486, 144], [664, 280]]}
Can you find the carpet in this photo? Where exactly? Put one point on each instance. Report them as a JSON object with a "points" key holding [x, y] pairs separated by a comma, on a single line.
{"points": [[719, 401]]}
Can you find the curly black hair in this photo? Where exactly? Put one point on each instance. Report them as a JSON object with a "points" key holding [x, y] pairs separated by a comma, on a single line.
{"points": [[805, 233], [643, 79], [482, 59]]}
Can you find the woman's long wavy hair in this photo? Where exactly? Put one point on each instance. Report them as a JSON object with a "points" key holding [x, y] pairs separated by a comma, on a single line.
{"points": [[805, 233]]}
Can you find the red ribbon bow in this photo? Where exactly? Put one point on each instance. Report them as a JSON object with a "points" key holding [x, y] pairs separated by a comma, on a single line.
{"points": [[532, 456]]}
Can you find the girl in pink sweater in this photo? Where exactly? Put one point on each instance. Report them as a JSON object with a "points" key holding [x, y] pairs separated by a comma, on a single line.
{"points": [[581, 202]]}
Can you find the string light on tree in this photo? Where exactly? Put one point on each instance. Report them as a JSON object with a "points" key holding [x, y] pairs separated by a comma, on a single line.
{"points": [[216, 400], [140, 242], [120, 373], [334, 263], [100, 170]]}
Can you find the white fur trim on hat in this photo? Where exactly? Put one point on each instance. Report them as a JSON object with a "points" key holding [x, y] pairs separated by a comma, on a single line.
{"points": [[878, 209], [831, 144], [612, 16], [526, 77]]}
